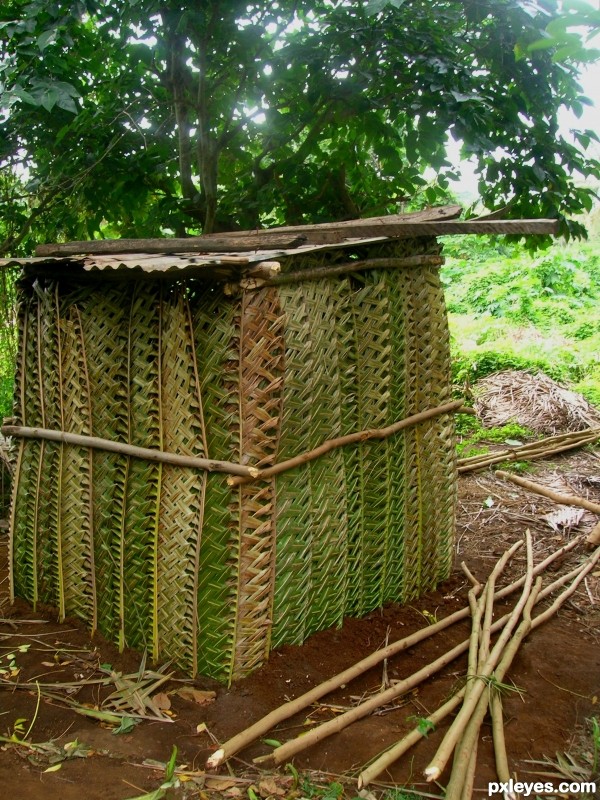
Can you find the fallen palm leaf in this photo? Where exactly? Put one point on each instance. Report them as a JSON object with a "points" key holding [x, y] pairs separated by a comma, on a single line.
{"points": [[133, 693], [199, 696], [565, 518]]}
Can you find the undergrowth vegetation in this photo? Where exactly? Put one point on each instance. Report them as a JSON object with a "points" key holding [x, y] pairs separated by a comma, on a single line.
{"points": [[471, 434], [512, 310]]}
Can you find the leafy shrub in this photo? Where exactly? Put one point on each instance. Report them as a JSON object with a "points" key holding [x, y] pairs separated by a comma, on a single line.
{"points": [[509, 310], [6, 397]]}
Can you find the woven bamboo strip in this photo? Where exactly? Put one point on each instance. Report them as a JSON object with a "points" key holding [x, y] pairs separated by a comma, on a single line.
{"points": [[77, 533], [329, 571], [105, 326], [137, 553], [215, 334], [261, 392], [181, 491]]}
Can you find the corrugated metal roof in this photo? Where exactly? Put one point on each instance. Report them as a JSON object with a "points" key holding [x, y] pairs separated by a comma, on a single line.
{"points": [[219, 264]]}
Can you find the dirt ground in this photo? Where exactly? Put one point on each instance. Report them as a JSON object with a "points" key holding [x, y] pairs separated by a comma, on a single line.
{"points": [[557, 672]]}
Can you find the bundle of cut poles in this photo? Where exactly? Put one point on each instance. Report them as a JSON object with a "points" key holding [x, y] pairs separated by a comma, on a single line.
{"points": [[491, 649]]}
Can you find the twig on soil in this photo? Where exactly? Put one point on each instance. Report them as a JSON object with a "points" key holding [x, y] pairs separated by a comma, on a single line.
{"points": [[562, 499], [594, 535]]}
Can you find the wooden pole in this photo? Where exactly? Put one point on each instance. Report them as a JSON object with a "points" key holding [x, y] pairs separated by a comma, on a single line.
{"points": [[350, 438], [393, 754], [317, 273], [562, 499], [445, 750], [530, 451], [280, 714], [389, 756], [458, 787], [145, 453]]}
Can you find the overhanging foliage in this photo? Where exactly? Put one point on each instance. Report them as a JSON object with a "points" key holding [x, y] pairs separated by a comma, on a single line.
{"points": [[140, 118]]}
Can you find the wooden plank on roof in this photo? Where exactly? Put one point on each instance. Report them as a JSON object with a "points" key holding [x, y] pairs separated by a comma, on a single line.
{"points": [[245, 241], [265, 240], [215, 243]]}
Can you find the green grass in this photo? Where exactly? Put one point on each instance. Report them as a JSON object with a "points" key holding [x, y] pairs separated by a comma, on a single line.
{"points": [[473, 438], [510, 310]]}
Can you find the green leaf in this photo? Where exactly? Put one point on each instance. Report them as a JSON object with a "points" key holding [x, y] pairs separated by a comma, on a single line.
{"points": [[170, 769], [126, 726], [46, 38], [541, 44]]}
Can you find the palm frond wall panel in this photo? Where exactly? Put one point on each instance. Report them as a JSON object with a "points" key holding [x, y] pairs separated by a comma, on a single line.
{"points": [[175, 559]]}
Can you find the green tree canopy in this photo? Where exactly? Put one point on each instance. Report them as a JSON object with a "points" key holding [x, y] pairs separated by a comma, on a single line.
{"points": [[140, 117]]}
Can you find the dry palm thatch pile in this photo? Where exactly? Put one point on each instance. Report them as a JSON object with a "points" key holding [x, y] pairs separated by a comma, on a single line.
{"points": [[534, 401]]}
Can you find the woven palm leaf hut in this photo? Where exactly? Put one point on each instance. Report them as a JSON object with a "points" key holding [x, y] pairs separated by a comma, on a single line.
{"points": [[228, 359]]}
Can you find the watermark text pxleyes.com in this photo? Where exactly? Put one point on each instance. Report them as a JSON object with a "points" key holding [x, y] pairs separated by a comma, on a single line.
{"points": [[532, 788]]}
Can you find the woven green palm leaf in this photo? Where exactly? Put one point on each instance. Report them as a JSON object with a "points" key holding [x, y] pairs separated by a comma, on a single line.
{"points": [[18, 490], [343, 299], [182, 490], [76, 480], [105, 324], [216, 329], [435, 391], [413, 499], [329, 571], [437, 434], [261, 379], [393, 578], [25, 504], [421, 389], [138, 547], [293, 488], [51, 583], [372, 320]]}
